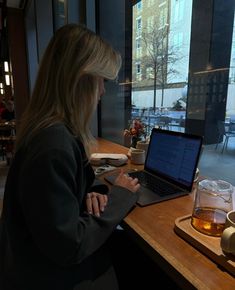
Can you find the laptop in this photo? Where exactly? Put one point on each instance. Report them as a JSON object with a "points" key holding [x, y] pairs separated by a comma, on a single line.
{"points": [[169, 168]]}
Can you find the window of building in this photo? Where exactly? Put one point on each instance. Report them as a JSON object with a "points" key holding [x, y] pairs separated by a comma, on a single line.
{"points": [[163, 15], [138, 68], [138, 25], [138, 48], [149, 73], [150, 23], [138, 43], [139, 6]]}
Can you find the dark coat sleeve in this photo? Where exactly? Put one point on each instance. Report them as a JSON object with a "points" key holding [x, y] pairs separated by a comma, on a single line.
{"points": [[51, 191], [98, 186]]}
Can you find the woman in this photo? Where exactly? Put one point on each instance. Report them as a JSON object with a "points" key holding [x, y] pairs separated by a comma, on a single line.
{"points": [[56, 221]]}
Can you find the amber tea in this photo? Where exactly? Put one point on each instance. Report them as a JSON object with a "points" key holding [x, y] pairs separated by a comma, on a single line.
{"points": [[209, 221], [213, 200]]}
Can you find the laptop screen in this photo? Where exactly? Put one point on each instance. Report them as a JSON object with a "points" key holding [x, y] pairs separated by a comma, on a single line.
{"points": [[173, 155]]}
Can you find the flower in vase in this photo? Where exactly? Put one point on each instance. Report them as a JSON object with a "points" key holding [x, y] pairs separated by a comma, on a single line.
{"points": [[136, 131]]}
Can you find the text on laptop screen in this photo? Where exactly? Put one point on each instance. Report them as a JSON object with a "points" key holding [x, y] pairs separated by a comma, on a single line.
{"points": [[173, 156]]}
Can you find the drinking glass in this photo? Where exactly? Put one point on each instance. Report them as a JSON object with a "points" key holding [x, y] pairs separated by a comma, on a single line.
{"points": [[212, 202]]}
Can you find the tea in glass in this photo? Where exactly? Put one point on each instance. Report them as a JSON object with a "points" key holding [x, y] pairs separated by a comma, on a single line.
{"points": [[213, 201]]}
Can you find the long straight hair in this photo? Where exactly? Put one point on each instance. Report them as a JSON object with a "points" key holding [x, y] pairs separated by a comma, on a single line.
{"points": [[67, 85]]}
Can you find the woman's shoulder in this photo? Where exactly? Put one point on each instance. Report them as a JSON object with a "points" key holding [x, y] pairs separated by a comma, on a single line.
{"points": [[55, 137], [57, 130]]}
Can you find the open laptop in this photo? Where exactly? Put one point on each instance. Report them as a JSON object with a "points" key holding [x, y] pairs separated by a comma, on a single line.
{"points": [[169, 168]]}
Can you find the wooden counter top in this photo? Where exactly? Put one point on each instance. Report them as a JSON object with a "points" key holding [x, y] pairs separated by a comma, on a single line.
{"points": [[152, 227]]}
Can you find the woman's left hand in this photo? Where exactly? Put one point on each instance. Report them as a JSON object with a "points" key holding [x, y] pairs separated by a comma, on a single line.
{"points": [[96, 203]]}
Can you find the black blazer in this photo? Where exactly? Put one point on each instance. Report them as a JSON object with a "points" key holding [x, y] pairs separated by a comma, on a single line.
{"points": [[48, 241]]}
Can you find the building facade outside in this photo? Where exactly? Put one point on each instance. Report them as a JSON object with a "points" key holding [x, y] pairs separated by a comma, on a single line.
{"points": [[169, 84]]}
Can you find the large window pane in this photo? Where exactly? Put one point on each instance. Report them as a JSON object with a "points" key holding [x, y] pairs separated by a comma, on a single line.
{"points": [[160, 71], [230, 108]]}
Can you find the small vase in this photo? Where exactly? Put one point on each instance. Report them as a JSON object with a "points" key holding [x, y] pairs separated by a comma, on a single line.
{"points": [[134, 141]]}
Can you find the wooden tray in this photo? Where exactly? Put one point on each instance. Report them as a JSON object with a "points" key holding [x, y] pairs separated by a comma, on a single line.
{"points": [[210, 246]]}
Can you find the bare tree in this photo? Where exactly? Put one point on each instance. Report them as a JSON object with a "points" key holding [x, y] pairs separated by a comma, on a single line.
{"points": [[159, 59]]}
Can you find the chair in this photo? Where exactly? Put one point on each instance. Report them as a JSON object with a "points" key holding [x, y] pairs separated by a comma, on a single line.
{"points": [[224, 133], [232, 127], [163, 122]]}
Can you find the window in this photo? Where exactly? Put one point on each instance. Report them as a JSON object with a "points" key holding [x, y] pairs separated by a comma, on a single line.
{"points": [[138, 25], [232, 60], [165, 52], [60, 13], [149, 73], [138, 43], [138, 68], [150, 23], [138, 48], [138, 72], [163, 16], [139, 6]]}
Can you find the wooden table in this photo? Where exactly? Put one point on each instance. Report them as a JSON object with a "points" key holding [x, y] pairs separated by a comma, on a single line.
{"points": [[7, 139], [8, 126], [152, 228]]}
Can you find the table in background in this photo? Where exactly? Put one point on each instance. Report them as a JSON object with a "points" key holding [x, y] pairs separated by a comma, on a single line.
{"points": [[7, 139], [152, 228], [8, 126]]}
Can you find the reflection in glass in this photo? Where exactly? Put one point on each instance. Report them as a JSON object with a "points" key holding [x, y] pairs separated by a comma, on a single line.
{"points": [[60, 13]]}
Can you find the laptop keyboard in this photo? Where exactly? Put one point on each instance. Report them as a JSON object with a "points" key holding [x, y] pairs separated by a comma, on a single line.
{"points": [[156, 185]]}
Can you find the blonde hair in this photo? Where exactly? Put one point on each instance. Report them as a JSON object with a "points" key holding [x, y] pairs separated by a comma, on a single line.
{"points": [[67, 84]]}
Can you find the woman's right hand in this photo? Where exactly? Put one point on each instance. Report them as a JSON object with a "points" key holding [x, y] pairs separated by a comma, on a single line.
{"points": [[127, 182]]}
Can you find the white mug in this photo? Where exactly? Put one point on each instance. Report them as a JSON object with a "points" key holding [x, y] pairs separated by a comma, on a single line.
{"points": [[142, 145], [137, 156], [227, 241]]}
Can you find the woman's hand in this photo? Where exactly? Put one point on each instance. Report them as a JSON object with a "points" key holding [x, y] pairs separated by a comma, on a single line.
{"points": [[96, 203], [126, 181]]}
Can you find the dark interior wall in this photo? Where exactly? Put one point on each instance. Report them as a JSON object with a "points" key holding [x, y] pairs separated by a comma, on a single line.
{"points": [[110, 17], [88, 17], [17, 53], [39, 30], [31, 43], [73, 11], [41, 19], [44, 24], [113, 25]]}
